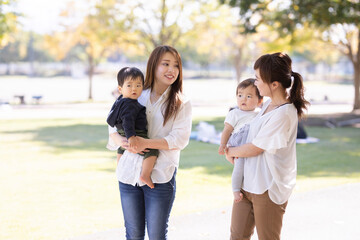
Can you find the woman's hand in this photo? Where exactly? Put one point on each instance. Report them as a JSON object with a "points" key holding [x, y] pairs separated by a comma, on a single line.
{"points": [[141, 145], [230, 159], [136, 145], [133, 142]]}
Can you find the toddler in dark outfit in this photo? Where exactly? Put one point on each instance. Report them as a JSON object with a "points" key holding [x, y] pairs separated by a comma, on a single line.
{"points": [[129, 117]]}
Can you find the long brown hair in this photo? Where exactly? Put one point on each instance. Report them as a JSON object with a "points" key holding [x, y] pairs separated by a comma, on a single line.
{"points": [[276, 67], [173, 102]]}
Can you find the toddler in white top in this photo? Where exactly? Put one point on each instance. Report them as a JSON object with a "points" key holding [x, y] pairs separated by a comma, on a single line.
{"points": [[236, 128]]}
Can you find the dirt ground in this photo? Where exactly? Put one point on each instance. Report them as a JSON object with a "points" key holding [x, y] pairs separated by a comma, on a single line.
{"points": [[333, 119]]}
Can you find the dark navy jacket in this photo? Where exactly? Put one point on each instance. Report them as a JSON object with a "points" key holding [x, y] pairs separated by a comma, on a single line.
{"points": [[127, 114]]}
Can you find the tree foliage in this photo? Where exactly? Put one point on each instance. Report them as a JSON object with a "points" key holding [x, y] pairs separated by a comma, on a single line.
{"points": [[8, 21], [24, 47], [337, 21], [106, 27], [175, 23]]}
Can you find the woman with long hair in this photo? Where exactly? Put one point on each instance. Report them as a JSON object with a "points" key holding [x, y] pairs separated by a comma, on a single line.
{"points": [[168, 114]]}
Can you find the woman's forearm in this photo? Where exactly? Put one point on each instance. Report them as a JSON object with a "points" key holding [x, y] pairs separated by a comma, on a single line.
{"points": [[246, 150], [160, 143]]}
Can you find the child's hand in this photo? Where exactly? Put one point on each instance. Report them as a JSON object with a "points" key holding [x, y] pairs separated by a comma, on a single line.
{"points": [[230, 159], [238, 196], [221, 149]]}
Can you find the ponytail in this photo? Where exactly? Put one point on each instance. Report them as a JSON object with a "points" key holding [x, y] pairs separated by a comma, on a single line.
{"points": [[277, 67], [297, 94]]}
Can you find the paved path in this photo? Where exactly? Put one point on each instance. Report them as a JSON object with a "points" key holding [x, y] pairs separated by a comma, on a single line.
{"points": [[330, 213]]}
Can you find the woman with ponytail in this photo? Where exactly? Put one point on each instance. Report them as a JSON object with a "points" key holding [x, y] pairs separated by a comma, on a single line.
{"points": [[270, 154]]}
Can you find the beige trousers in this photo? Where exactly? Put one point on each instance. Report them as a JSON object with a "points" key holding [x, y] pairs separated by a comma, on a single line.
{"points": [[256, 210]]}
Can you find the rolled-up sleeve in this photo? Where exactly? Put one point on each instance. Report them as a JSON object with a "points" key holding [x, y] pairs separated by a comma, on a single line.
{"points": [[179, 136], [111, 145]]}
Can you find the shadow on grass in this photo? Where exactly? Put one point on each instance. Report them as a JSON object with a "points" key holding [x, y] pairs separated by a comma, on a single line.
{"points": [[336, 155], [86, 137]]}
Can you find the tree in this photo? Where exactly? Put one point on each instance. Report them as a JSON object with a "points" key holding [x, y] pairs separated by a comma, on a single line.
{"points": [[99, 34], [12, 52], [196, 28], [338, 22], [106, 28], [209, 39], [24, 46], [8, 21]]}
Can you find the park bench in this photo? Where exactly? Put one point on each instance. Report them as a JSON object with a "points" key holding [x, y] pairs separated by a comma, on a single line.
{"points": [[37, 98], [21, 98]]}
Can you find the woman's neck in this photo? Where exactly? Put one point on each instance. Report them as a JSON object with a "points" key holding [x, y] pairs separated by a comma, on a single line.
{"points": [[156, 93], [279, 99], [158, 90]]}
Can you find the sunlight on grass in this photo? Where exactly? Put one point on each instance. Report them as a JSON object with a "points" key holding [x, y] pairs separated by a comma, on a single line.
{"points": [[58, 179], [51, 193]]}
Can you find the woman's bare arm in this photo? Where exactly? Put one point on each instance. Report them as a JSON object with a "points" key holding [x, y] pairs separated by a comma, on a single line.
{"points": [[160, 143], [245, 150]]}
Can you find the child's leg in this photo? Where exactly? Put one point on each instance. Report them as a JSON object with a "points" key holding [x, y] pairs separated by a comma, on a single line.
{"points": [[237, 179], [120, 152], [118, 156], [147, 167]]}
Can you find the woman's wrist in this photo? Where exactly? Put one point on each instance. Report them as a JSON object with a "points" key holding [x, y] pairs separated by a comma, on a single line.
{"points": [[145, 142], [230, 151]]}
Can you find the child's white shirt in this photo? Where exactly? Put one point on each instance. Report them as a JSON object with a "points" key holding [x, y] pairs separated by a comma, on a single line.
{"points": [[238, 118]]}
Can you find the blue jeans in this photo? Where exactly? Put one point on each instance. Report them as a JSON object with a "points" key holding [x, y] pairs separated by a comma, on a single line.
{"points": [[143, 205]]}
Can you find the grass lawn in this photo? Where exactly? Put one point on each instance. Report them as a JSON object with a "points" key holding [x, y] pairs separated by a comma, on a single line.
{"points": [[58, 181]]}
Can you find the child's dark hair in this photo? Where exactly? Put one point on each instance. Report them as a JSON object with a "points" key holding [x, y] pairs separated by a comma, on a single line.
{"points": [[131, 73], [276, 67], [246, 83]]}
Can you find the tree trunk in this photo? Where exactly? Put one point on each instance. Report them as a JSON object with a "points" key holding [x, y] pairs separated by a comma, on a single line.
{"points": [[356, 64], [238, 64], [357, 85], [162, 39], [91, 73]]}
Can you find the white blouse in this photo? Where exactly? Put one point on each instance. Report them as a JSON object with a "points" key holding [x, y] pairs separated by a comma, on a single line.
{"points": [[274, 169], [176, 132]]}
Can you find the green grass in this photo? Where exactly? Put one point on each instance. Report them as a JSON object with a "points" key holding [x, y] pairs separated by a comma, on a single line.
{"points": [[332, 161], [58, 181]]}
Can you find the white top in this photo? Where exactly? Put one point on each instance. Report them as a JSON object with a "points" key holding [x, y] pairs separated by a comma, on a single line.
{"points": [[238, 118], [176, 132], [274, 169]]}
